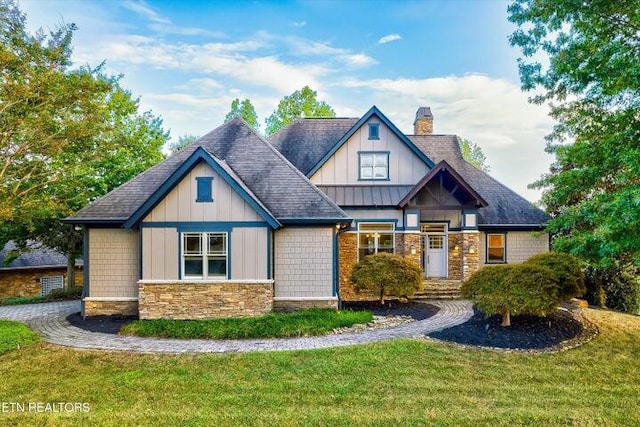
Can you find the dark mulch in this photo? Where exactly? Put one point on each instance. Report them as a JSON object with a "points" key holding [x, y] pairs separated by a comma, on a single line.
{"points": [[105, 324], [415, 310], [525, 332]]}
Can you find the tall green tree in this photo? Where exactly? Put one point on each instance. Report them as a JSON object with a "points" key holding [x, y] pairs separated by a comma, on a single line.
{"points": [[582, 58], [473, 154], [245, 110], [181, 143], [67, 136], [301, 103]]}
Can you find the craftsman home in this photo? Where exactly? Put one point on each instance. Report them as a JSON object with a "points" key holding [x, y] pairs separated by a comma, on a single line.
{"points": [[238, 225]]}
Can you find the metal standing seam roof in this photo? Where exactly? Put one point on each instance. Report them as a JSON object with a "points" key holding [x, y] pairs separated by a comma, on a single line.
{"points": [[275, 182]]}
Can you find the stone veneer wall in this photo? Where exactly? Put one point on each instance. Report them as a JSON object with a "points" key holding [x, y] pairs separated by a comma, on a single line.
{"points": [[470, 253], [26, 282], [455, 256], [204, 300], [403, 244], [109, 307], [348, 257]]}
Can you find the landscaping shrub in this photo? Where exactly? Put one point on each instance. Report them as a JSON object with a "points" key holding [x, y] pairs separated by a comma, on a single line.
{"points": [[616, 287], [567, 268], [513, 289], [390, 275], [66, 293]]}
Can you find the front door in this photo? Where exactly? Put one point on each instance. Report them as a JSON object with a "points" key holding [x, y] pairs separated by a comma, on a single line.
{"points": [[435, 255]]}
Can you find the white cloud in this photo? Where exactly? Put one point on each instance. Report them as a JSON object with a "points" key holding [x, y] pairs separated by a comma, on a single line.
{"points": [[358, 60], [142, 9], [493, 113], [389, 38], [299, 24]]}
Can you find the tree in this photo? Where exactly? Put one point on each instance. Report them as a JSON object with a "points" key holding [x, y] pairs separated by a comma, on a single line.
{"points": [[245, 110], [301, 103], [592, 83], [388, 275], [181, 143], [67, 136], [473, 154]]}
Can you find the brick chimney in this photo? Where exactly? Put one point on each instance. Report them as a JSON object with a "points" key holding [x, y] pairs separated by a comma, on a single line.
{"points": [[423, 125]]}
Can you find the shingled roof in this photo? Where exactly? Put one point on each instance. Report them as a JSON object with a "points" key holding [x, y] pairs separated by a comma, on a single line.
{"points": [[282, 189], [504, 206], [37, 257], [305, 141]]}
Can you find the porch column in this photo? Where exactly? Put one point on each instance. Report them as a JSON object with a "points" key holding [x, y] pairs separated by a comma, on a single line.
{"points": [[470, 253]]}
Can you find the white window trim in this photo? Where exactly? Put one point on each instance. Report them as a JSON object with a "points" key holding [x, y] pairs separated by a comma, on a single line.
{"points": [[205, 254], [377, 236], [374, 155]]}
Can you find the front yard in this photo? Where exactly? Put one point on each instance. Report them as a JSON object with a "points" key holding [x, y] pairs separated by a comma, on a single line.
{"points": [[405, 382]]}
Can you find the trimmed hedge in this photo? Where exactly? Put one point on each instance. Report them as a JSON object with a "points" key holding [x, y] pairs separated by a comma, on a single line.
{"points": [[389, 275], [567, 268]]}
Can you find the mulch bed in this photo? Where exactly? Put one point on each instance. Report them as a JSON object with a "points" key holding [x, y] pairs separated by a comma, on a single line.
{"points": [[557, 330], [415, 310], [104, 324]]}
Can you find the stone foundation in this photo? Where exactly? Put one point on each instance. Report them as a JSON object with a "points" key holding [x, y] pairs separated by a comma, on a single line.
{"points": [[26, 282], [301, 304], [96, 307], [204, 300]]}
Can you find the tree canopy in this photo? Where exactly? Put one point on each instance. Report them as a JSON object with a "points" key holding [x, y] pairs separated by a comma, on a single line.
{"points": [[301, 103], [67, 136], [245, 110], [181, 143], [473, 154], [582, 58]]}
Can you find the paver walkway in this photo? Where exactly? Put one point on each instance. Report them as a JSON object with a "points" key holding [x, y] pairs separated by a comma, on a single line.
{"points": [[49, 319]]}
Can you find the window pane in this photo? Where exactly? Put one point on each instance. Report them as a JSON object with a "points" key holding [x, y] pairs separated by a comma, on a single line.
{"points": [[217, 244], [375, 227], [385, 241], [496, 254], [217, 266], [381, 160], [496, 240], [366, 172], [192, 244], [495, 248], [366, 159], [193, 266], [381, 173]]}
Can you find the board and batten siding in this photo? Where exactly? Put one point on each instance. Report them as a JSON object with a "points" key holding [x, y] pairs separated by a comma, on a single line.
{"points": [[113, 263], [521, 245], [405, 168], [180, 204], [304, 262], [248, 251]]}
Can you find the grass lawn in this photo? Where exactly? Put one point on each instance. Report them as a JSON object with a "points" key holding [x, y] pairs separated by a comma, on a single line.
{"points": [[315, 321], [14, 335], [403, 382]]}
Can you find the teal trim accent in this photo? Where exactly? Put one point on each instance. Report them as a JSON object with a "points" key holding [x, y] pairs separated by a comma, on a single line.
{"points": [[85, 268], [204, 225], [411, 211], [196, 157], [204, 189], [374, 130], [269, 253], [375, 220], [335, 263], [464, 219], [179, 256], [372, 111], [314, 221], [360, 178]]}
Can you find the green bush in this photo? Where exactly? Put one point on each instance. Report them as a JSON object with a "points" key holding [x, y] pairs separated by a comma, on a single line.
{"points": [[387, 274], [513, 289], [66, 293], [567, 268], [616, 287]]}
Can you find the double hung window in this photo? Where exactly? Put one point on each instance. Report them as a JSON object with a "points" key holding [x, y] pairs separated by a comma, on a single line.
{"points": [[204, 255]]}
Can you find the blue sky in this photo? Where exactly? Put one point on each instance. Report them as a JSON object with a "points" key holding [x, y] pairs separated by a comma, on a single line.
{"points": [[188, 60]]}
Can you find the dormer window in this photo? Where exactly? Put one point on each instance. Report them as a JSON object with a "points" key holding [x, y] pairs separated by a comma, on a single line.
{"points": [[374, 130]]}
